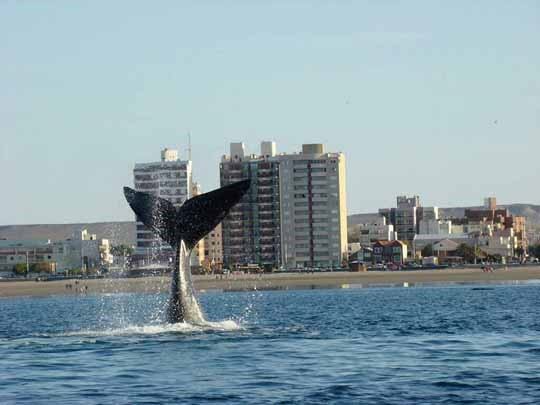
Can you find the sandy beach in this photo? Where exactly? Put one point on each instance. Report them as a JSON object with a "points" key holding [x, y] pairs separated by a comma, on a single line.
{"points": [[271, 281]]}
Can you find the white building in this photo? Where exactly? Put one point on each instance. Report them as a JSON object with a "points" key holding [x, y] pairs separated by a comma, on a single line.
{"points": [[374, 230], [313, 208], [420, 241], [499, 242], [82, 251], [404, 217], [435, 226], [170, 179], [87, 249]]}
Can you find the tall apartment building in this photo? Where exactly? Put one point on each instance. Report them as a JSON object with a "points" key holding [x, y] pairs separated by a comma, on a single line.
{"points": [[313, 208], [295, 213], [408, 215], [404, 217], [251, 231], [170, 178]]}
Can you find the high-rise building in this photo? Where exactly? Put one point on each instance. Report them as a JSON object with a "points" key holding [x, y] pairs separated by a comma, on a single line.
{"points": [[170, 178], [295, 213], [405, 216], [251, 231], [313, 208]]}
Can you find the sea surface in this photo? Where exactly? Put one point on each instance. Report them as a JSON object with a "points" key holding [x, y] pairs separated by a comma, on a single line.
{"points": [[429, 345]]}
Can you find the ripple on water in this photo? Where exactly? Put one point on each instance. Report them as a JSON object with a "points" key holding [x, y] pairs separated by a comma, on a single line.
{"points": [[379, 346]]}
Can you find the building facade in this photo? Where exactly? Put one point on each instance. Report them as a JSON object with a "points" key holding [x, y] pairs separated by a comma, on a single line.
{"points": [[404, 217], [313, 208], [435, 226], [251, 231], [393, 251], [294, 214], [82, 251], [170, 178], [198, 252], [213, 249], [375, 230]]}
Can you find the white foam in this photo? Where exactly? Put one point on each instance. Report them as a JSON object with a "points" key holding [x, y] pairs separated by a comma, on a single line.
{"points": [[182, 327]]}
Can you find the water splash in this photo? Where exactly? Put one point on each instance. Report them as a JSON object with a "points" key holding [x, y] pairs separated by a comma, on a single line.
{"points": [[182, 327]]}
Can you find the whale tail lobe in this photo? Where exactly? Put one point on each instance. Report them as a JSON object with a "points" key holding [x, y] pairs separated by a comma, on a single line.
{"points": [[191, 221]]}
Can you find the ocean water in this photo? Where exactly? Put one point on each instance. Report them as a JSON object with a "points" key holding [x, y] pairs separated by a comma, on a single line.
{"points": [[430, 345]]}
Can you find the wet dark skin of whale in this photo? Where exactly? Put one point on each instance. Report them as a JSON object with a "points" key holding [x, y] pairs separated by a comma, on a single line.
{"points": [[182, 228]]}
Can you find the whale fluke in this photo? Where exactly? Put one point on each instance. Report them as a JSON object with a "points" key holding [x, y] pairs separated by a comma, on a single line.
{"points": [[182, 228], [191, 221]]}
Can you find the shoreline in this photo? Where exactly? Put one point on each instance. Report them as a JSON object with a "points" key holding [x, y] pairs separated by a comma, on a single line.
{"points": [[272, 281]]}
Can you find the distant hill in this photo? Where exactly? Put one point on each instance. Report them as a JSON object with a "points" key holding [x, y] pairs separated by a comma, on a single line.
{"points": [[530, 211], [124, 232], [117, 232]]}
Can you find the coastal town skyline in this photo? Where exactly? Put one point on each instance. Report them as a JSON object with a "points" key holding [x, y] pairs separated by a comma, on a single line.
{"points": [[417, 106], [259, 202], [184, 152]]}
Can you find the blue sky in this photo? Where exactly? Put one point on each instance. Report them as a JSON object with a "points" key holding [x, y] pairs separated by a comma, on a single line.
{"points": [[436, 98]]}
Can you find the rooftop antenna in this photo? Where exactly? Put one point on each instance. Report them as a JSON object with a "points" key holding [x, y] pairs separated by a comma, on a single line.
{"points": [[189, 145]]}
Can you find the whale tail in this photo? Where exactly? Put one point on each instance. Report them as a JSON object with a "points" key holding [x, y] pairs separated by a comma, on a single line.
{"points": [[191, 221], [182, 228]]}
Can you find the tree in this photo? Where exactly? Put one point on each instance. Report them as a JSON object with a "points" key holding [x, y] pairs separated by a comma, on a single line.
{"points": [[41, 267], [19, 269], [121, 250], [466, 251], [427, 251], [469, 253], [496, 258]]}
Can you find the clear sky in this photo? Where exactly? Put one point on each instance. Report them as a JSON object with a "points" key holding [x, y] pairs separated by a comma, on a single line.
{"points": [[436, 98]]}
